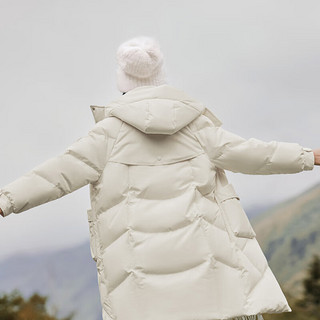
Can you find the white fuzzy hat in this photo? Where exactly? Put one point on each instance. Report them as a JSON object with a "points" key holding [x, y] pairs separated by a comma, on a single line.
{"points": [[140, 63]]}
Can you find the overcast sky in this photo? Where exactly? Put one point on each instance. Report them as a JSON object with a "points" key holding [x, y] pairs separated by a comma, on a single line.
{"points": [[255, 64]]}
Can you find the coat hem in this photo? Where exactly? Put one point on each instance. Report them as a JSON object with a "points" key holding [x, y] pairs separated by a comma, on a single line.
{"points": [[250, 317]]}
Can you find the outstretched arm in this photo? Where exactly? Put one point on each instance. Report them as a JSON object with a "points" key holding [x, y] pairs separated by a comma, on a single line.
{"points": [[254, 156], [232, 152], [80, 164]]}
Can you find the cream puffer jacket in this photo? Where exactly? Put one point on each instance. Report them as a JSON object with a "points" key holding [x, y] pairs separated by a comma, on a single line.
{"points": [[168, 233]]}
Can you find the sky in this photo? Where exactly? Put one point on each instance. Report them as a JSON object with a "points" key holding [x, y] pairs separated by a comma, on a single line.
{"points": [[254, 64]]}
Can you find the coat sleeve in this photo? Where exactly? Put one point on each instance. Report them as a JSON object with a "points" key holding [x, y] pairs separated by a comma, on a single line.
{"points": [[80, 164], [232, 152]]}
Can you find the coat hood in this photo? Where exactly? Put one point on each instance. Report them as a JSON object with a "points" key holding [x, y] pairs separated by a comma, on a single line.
{"points": [[152, 109]]}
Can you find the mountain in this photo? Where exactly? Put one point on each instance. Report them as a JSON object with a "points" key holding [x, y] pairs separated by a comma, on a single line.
{"points": [[289, 234], [68, 277]]}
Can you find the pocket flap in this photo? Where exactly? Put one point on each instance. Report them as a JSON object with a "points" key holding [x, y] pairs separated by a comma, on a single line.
{"points": [[234, 213]]}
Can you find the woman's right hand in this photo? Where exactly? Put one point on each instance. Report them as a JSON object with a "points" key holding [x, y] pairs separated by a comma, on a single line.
{"points": [[316, 153]]}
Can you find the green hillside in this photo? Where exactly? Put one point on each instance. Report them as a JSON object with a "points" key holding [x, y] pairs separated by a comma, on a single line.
{"points": [[289, 234]]}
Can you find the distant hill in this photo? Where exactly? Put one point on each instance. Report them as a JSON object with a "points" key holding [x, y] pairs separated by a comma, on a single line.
{"points": [[289, 233], [68, 277]]}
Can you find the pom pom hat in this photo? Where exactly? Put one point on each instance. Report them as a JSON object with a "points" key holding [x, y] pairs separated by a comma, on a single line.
{"points": [[140, 63]]}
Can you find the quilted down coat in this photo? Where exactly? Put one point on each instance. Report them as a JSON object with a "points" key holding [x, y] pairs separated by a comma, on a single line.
{"points": [[168, 234]]}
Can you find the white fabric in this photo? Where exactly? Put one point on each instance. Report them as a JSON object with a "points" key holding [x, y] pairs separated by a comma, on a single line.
{"points": [[140, 63], [167, 230]]}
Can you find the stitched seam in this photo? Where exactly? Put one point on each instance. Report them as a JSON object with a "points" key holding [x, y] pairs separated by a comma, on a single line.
{"points": [[106, 141], [262, 275], [174, 117], [107, 159], [57, 186], [303, 156], [148, 98], [157, 164], [87, 162], [190, 105], [189, 127], [270, 163], [148, 118], [250, 261], [115, 141]]}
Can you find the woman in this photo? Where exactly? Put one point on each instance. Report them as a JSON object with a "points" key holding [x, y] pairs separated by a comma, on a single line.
{"points": [[167, 231]]}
